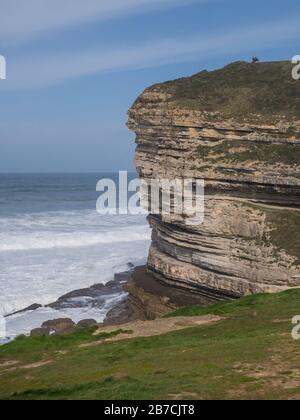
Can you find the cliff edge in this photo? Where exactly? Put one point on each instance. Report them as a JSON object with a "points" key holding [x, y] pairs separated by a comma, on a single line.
{"points": [[238, 128]]}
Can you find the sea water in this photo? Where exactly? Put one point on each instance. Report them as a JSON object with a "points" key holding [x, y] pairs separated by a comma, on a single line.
{"points": [[53, 241]]}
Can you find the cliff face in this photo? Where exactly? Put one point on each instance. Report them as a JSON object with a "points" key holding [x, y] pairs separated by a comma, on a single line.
{"points": [[239, 129]]}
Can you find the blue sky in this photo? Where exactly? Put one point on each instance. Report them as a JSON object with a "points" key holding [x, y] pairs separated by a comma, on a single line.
{"points": [[74, 68]]}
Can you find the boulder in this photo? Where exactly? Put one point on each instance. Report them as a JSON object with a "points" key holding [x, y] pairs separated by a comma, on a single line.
{"points": [[87, 323], [66, 331], [40, 332], [58, 324]]}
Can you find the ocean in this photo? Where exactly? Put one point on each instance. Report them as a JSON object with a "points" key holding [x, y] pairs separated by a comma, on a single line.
{"points": [[53, 241]]}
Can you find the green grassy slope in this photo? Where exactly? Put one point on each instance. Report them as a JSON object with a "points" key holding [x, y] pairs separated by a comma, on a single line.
{"points": [[240, 89], [250, 354]]}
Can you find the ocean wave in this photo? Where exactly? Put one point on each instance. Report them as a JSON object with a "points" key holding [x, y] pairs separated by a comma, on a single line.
{"points": [[72, 218], [50, 240], [54, 242]]}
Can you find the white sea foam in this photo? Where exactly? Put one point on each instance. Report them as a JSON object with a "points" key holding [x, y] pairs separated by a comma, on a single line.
{"points": [[23, 323], [43, 256], [71, 240]]}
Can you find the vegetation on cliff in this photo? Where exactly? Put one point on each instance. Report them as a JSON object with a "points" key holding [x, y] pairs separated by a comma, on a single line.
{"points": [[249, 151], [240, 89], [249, 354], [284, 231]]}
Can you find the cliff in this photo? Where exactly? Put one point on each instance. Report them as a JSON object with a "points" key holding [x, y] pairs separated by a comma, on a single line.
{"points": [[237, 128]]}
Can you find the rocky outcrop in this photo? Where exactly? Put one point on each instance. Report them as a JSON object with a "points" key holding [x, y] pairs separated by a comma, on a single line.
{"points": [[56, 325], [238, 129], [87, 323], [149, 299], [40, 332]]}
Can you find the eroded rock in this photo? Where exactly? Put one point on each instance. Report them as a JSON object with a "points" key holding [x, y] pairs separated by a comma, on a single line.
{"points": [[87, 323], [248, 155], [40, 332], [60, 324]]}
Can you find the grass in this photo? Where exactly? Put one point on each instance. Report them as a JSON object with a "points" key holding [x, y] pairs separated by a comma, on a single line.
{"points": [[29, 349], [284, 234], [283, 227], [245, 151], [250, 354], [241, 89], [241, 307]]}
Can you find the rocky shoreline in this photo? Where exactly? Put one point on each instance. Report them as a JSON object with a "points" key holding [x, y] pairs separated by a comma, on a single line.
{"points": [[97, 299], [142, 297], [149, 299], [96, 295]]}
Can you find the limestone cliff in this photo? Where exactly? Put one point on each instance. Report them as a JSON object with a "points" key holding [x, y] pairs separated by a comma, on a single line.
{"points": [[239, 129]]}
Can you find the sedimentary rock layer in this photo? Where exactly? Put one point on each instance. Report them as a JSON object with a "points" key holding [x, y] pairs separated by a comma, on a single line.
{"points": [[242, 136]]}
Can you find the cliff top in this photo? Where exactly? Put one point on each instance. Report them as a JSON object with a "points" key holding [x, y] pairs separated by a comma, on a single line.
{"points": [[240, 89]]}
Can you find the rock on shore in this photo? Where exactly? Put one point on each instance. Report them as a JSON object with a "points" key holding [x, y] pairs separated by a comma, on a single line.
{"points": [[149, 299]]}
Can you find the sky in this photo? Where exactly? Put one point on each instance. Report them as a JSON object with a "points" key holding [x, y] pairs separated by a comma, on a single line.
{"points": [[75, 67]]}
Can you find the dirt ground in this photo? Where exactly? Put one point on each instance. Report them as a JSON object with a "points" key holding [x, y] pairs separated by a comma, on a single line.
{"points": [[153, 328]]}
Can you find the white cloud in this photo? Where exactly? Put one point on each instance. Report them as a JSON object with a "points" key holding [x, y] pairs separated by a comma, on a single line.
{"points": [[22, 20], [42, 71]]}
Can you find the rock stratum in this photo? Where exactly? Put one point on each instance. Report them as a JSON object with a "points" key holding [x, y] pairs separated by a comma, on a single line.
{"points": [[237, 128]]}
